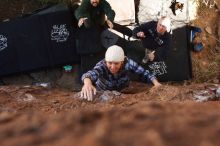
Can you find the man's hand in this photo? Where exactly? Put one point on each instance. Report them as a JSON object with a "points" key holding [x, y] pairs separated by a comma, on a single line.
{"points": [[88, 90], [156, 83], [81, 21], [109, 23], [151, 56], [141, 34]]}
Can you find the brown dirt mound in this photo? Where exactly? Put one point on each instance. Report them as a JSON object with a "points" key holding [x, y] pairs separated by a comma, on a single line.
{"points": [[31, 115]]}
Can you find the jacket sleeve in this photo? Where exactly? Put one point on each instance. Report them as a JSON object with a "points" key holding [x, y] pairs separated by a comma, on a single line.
{"points": [[134, 67], [82, 10], [94, 74], [136, 30], [143, 27], [110, 13]]}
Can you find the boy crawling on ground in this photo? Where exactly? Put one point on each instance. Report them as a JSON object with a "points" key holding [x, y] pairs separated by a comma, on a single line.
{"points": [[111, 74]]}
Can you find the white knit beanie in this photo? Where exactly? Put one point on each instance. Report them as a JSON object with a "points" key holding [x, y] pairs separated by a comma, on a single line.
{"points": [[114, 54], [166, 22]]}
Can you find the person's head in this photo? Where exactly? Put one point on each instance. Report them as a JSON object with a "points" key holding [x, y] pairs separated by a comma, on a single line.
{"points": [[114, 58], [163, 25], [94, 3]]}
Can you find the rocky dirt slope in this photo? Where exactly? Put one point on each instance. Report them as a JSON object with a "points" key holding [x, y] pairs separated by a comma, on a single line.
{"points": [[31, 115]]}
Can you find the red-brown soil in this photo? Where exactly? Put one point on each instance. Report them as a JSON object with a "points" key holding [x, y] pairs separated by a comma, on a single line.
{"points": [[31, 115]]}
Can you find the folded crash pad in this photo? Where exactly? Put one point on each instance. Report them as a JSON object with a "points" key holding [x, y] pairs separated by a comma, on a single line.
{"points": [[43, 39]]}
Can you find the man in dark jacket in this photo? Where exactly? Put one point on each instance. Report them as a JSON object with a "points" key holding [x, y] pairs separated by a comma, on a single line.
{"points": [[95, 12], [93, 17], [156, 38]]}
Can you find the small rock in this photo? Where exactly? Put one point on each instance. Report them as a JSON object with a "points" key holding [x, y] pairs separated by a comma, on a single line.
{"points": [[44, 85], [116, 93], [208, 30], [218, 93], [5, 117], [204, 38], [55, 101], [216, 81], [217, 48], [109, 95], [28, 97], [83, 104], [203, 95], [211, 87]]}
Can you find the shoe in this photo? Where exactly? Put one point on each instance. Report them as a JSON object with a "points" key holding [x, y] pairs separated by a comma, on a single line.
{"points": [[198, 47], [193, 32], [197, 29]]}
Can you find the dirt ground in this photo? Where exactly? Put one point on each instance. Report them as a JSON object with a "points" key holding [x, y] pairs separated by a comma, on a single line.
{"points": [[167, 116], [31, 115]]}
